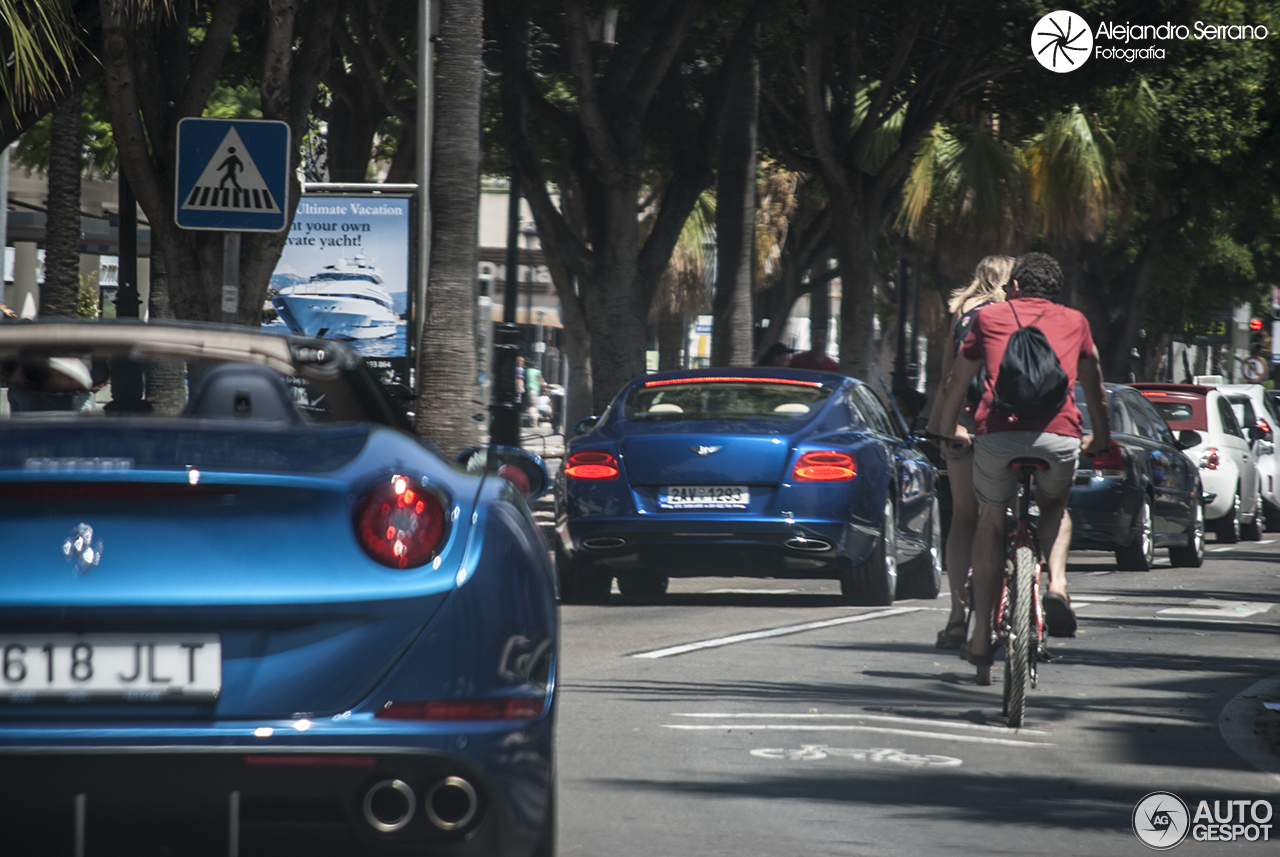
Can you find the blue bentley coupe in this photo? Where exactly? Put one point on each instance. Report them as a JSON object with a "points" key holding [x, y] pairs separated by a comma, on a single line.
{"points": [[747, 472], [244, 610]]}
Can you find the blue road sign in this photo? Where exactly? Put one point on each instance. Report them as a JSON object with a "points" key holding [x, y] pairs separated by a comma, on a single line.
{"points": [[232, 175]]}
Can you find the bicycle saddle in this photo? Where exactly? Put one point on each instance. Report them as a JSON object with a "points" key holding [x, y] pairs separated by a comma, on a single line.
{"points": [[1028, 464]]}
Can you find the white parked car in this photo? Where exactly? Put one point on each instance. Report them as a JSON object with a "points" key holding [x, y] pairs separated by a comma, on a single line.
{"points": [[1211, 436], [1256, 412]]}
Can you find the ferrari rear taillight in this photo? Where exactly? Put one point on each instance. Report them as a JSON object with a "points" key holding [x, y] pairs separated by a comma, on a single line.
{"points": [[462, 709], [825, 465], [1209, 460], [1109, 462], [400, 525], [591, 464]]}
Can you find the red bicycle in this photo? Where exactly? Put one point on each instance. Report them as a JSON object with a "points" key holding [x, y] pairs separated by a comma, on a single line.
{"points": [[1018, 620]]}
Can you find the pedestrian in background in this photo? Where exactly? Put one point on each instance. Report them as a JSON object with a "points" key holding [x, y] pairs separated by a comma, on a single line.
{"points": [[776, 356], [816, 357], [987, 287]]}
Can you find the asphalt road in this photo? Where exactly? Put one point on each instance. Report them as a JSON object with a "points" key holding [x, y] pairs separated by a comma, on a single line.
{"points": [[845, 732]]}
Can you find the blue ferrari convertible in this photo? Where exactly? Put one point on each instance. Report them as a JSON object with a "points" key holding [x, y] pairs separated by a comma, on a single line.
{"points": [[747, 472], [244, 610]]}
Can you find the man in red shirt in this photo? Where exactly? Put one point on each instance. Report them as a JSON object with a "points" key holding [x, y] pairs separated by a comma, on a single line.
{"points": [[816, 357], [1001, 437]]}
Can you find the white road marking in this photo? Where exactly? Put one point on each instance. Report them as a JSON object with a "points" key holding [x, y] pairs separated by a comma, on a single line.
{"points": [[1265, 542], [917, 733], [1219, 550], [754, 592], [817, 752], [1208, 608], [887, 718], [772, 632]]}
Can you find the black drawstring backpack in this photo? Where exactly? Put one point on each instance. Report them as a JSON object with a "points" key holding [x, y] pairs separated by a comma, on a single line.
{"points": [[1031, 383]]}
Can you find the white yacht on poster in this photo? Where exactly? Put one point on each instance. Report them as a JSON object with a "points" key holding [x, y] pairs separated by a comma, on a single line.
{"points": [[344, 300]]}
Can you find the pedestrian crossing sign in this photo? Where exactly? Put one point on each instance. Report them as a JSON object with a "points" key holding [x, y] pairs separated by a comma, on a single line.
{"points": [[232, 175]]}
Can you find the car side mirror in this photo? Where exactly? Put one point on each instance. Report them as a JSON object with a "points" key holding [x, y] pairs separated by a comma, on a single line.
{"points": [[526, 471], [1188, 438], [585, 425]]}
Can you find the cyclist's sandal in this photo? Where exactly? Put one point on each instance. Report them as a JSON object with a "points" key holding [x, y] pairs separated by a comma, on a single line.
{"points": [[1058, 615], [948, 640], [977, 660]]}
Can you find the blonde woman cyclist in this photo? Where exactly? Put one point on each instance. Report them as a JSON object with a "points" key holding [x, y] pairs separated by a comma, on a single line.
{"points": [[986, 288]]}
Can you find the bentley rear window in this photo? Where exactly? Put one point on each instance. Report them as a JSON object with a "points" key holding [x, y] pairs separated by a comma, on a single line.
{"points": [[733, 399]]}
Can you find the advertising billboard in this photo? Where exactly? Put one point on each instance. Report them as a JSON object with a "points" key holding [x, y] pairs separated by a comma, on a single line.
{"points": [[345, 275]]}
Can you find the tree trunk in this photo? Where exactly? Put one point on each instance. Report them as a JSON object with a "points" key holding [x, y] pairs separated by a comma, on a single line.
{"points": [[62, 230], [352, 125], [670, 340], [854, 244], [156, 77], [819, 297], [447, 390], [575, 338], [166, 387], [731, 343], [618, 305]]}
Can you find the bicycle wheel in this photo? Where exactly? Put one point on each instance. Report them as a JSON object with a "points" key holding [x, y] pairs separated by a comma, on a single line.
{"points": [[1018, 650]]}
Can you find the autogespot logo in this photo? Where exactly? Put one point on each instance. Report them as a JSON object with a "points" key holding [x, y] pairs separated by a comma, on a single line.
{"points": [[1160, 820], [1061, 41]]}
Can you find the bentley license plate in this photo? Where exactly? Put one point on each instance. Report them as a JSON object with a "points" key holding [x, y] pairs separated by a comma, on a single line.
{"points": [[127, 667], [704, 497]]}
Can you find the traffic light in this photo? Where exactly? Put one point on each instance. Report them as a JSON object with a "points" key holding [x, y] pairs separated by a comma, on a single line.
{"points": [[1255, 336]]}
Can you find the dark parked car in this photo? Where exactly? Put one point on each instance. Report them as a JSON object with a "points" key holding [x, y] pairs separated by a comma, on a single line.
{"points": [[1140, 495], [751, 472]]}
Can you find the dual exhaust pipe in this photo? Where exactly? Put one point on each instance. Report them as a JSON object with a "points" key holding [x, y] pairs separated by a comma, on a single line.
{"points": [[450, 804]]}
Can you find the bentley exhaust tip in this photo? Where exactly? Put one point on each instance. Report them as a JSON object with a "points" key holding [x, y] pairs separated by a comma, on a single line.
{"points": [[451, 803], [603, 543], [389, 806], [800, 543]]}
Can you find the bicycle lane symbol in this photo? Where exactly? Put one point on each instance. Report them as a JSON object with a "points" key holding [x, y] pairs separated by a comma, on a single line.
{"points": [[818, 752]]}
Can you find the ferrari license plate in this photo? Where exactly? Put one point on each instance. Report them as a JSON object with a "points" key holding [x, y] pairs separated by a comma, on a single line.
{"points": [[704, 497], [126, 667]]}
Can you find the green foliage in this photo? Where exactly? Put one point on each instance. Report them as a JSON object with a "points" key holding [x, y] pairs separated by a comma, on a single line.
{"points": [[87, 296], [40, 38], [100, 156], [235, 101]]}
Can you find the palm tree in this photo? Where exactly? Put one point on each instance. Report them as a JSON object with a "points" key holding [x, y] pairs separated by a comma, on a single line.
{"points": [[58, 296], [682, 289], [447, 355], [735, 217], [970, 192], [41, 38]]}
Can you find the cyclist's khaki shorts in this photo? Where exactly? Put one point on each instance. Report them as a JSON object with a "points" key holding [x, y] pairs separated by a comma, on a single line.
{"points": [[995, 483]]}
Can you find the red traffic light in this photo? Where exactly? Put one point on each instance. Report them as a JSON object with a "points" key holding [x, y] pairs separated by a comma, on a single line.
{"points": [[1255, 324]]}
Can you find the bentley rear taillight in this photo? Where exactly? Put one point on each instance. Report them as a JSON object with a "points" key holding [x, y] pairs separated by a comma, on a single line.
{"points": [[1209, 460], [591, 464], [825, 465], [400, 525]]}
